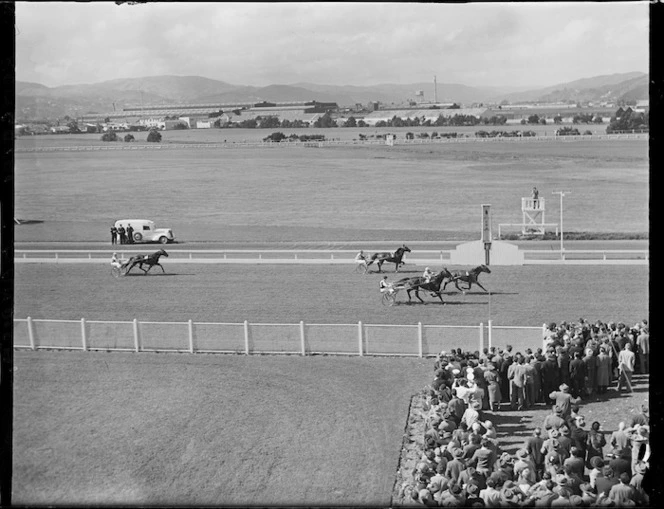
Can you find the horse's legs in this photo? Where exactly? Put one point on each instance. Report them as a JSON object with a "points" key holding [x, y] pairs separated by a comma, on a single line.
{"points": [[380, 264], [417, 294], [478, 284], [162, 268], [408, 292]]}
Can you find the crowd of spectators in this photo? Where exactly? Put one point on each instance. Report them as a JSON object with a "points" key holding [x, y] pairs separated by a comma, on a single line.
{"points": [[563, 462]]}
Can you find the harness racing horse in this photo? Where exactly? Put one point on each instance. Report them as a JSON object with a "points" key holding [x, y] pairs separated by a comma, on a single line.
{"points": [[149, 260], [418, 283], [395, 258], [469, 277]]}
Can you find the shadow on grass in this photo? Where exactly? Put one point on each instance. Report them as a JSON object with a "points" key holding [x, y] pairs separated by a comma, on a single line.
{"points": [[158, 274], [27, 221], [438, 303]]}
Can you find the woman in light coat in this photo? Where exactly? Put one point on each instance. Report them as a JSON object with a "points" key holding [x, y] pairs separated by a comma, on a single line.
{"points": [[603, 373]]}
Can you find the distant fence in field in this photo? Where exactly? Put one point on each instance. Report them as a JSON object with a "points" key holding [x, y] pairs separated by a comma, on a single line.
{"points": [[268, 338], [323, 256], [329, 143]]}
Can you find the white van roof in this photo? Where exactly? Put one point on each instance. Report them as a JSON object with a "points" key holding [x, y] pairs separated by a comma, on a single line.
{"points": [[133, 221]]}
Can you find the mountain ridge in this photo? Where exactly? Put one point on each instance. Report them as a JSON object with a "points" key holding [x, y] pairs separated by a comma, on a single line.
{"points": [[34, 100]]}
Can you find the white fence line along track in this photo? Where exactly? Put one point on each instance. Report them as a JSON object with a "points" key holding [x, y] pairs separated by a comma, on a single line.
{"points": [[332, 256], [267, 338], [328, 143]]}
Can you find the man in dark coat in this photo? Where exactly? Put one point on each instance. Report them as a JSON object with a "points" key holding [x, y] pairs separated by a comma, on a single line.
{"points": [[533, 445], [130, 234], [456, 408], [550, 377], [114, 235], [122, 234], [577, 375]]}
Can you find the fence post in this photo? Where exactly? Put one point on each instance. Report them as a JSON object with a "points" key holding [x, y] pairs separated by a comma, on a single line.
{"points": [[490, 334], [31, 334], [419, 338], [304, 348], [191, 336], [83, 337], [481, 336], [246, 337], [359, 337], [137, 346]]}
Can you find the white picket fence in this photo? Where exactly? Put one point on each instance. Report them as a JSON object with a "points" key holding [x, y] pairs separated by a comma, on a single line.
{"points": [[301, 338], [323, 256]]}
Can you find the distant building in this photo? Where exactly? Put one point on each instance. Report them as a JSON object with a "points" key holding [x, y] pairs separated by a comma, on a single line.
{"points": [[60, 129], [371, 119]]}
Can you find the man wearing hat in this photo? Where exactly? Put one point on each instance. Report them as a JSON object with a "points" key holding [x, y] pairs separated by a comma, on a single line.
{"points": [[554, 420], [523, 461], [454, 496], [596, 468], [533, 445], [473, 496], [456, 407], [483, 458], [511, 495], [472, 414], [454, 467], [564, 400]]}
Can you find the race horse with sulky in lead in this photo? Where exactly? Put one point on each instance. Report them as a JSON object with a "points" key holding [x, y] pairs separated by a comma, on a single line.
{"points": [[394, 258], [150, 260], [419, 283], [469, 276]]}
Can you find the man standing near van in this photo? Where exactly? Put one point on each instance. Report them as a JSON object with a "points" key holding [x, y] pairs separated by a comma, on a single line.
{"points": [[130, 234], [121, 232], [114, 234]]}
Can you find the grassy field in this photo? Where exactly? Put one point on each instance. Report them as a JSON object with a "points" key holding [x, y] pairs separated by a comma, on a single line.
{"points": [[438, 188], [194, 430]]}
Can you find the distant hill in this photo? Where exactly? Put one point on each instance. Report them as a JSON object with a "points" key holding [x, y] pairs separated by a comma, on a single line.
{"points": [[607, 87], [35, 101]]}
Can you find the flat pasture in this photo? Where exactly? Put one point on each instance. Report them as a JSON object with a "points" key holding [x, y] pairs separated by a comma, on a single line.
{"points": [[520, 296], [217, 430], [427, 190]]}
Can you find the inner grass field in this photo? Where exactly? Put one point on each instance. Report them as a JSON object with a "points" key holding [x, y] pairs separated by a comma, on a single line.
{"points": [[435, 188]]}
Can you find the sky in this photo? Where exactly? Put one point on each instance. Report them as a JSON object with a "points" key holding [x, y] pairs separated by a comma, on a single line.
{"points": [[259, 44]]}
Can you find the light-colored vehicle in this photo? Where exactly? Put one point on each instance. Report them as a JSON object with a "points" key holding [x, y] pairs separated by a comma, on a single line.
{"points": [[146, 231]]}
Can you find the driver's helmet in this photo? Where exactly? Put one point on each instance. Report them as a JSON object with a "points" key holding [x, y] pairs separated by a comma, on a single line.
{"points": [[427, 269]]}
